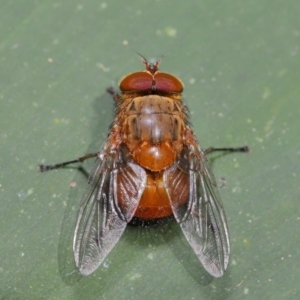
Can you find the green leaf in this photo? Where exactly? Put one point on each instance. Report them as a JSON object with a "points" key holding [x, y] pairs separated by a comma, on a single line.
{"points": [[240, 63]]}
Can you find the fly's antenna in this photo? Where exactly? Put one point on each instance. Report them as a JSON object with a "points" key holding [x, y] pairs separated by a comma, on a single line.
{"points": [[151, 67], [144, 60]]}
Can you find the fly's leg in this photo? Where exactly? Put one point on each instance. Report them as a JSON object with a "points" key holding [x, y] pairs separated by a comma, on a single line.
{"points": [[237, 149], [114, 94], [44, 168]]}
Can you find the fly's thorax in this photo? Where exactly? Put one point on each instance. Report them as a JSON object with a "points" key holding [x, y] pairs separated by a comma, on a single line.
{"points": [[153, 128]]}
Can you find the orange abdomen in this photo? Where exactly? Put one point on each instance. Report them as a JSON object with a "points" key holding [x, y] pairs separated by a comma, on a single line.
{"points": [[155, 201]]}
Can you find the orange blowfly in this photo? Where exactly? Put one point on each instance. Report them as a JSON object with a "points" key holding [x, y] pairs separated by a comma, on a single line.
{"points": [[151, 167]]}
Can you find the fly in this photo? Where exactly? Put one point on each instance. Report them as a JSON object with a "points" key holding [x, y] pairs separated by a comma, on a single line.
{"points": [[151, 167]]}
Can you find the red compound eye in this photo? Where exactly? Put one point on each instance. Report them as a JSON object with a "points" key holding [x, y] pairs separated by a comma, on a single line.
{"points": [[142, 81], [151, 80], [167, 83], [138, 81]]}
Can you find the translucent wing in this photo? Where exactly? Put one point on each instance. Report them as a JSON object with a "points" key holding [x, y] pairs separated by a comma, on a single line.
{"points": [[197, 207], [110, 200]]}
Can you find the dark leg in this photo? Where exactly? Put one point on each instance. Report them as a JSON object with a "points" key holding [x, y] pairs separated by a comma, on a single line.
{"points": [[44, 168], [114, 94], [111, 91], [238, 149]]}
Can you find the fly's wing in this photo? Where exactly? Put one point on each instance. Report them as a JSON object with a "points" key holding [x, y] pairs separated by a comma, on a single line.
{"points": [[111, 197], [197, 207]]}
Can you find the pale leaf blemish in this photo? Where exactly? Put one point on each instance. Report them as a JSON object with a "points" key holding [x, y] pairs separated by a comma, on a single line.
{"points": [[170, 31], [103, 5], [192, 80], [266, 93], [135, 276], [150, 256], [102, 67]]}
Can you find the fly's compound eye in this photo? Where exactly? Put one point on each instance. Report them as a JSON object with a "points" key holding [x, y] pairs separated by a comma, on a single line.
{"points": [[138, 81], [167, 83], [143, 81]]}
